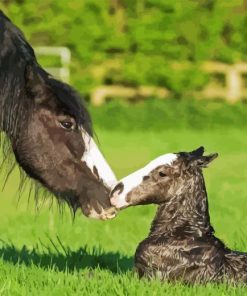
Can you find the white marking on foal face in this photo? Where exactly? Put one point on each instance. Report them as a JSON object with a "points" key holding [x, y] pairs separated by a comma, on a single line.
{"points": [[135, 179], [96, 162]]}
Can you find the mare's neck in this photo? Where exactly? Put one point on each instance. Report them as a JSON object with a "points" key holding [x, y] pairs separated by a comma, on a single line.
{"points": [[184, 215]]}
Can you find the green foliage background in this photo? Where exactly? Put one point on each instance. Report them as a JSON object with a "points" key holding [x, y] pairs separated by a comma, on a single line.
{"points": [[130, 42], [133, 42]]}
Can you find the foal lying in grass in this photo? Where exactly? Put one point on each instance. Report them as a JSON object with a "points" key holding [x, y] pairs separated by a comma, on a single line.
{"points": [[181, 244]]}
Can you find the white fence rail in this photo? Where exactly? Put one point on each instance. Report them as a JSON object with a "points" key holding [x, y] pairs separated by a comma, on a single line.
{"points": [[63, 71], [232, 90]]}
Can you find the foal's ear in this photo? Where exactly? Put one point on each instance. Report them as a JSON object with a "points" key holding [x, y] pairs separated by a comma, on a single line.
{"points": [[35, 84], [197, 152], [203, 161]]}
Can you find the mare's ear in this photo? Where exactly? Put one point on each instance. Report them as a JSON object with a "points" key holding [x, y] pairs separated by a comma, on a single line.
{"points": [[35, 84], [203, 161]]}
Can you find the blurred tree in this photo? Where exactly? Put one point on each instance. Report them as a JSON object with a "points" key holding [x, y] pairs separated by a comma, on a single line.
{"points": [[116, 8], [134, 42]]}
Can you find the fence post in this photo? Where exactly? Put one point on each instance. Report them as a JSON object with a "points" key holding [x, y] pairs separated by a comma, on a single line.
{"points": [[63, 72], [234, 85]]}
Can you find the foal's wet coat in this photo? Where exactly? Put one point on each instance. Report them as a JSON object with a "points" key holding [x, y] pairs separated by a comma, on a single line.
{"points": [[181, 245]]}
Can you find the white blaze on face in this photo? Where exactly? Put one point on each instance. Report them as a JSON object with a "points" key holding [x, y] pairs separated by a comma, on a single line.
{"points": [[96, 162], [119, 199]]}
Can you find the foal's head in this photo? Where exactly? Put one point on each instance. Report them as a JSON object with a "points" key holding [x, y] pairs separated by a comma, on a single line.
{"points": [[164, 179]]}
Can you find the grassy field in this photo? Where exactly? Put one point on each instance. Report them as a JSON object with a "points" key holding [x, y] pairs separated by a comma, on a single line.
{"points": [[47, 253]]}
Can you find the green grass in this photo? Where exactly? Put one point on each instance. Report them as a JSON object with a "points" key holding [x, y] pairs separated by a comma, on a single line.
{"points": [[47, 253], [161, 115]]}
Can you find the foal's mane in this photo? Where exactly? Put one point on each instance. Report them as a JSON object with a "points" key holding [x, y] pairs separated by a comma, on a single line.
{"points": [[16, 103]]}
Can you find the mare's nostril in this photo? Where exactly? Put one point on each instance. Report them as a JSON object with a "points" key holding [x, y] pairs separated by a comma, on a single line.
{"points": [[118, 188]]}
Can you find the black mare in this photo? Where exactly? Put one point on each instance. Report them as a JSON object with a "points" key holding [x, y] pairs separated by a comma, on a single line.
{"points": [[49, 129]]}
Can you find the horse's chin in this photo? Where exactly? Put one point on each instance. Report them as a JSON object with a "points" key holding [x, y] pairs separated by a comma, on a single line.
{"points": [[93, 202], [102, 214]]}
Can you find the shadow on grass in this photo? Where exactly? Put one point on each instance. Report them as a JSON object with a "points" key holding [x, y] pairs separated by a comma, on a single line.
{"points": [[66, 259]]}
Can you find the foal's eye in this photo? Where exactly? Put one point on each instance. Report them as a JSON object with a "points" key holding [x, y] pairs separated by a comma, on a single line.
{"points": [[161, 174], [68, 125]]}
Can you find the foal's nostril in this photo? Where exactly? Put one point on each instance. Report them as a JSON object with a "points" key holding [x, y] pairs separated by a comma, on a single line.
{"points": [[119, 187], [145, 178]]}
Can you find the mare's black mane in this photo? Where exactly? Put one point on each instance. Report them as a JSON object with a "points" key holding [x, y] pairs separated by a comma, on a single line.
{"points": [[16, 56], [16, 102]]}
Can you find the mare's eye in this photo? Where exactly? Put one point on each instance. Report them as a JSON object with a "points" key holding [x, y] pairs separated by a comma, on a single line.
{"points": [[161, 174], [68, 125]]}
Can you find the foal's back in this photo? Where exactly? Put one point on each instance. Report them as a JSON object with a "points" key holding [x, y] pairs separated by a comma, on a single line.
{"points": [[189, 259]]}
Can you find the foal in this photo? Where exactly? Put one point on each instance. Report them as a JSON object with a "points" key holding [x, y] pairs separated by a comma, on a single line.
{"points": [[181, 244]]}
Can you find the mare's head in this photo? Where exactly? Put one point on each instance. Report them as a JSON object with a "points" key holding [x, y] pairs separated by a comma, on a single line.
{"points": [[164, 179], [50, 129]]}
